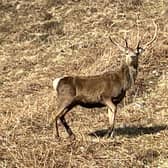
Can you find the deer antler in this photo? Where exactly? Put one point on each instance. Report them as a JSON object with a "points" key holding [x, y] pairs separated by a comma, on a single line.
{"points": [[126, 42], [138, 45], [116, 44], [154, 37]]}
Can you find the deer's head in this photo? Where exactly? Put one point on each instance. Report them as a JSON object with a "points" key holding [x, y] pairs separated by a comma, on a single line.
{"points": [[131, 54]]}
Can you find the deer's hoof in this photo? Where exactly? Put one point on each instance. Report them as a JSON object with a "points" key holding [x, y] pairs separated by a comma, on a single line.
{"points": [[72, 137], [57, 138]]}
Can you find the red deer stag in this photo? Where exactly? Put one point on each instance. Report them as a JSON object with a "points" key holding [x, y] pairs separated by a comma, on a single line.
{"points": [[107, 89]]}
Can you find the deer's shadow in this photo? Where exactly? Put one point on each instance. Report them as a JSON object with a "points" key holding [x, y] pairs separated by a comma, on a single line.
{"points": [[131, 131]]}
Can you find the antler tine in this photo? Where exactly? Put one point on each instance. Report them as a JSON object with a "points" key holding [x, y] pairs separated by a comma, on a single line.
{"points": [[126, 42], [115, 43], [138, 45], [154, 37]]}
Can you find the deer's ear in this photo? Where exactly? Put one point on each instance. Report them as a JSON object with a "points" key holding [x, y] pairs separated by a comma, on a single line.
{"points": [[140, 50], [123, 49]]}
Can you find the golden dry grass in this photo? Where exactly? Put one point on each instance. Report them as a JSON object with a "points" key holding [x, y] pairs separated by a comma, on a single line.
{"points": [[41, 40]]}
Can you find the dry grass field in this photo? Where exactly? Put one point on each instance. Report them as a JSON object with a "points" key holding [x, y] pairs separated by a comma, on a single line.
{"points": [[44, 39]]}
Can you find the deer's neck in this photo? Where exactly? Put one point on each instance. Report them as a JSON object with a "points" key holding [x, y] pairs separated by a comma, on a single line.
{"points": [[129, 74], [133, 74]]}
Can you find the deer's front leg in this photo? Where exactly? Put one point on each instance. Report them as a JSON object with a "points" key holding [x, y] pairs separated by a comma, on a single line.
{"points": [[112, 110], [112, 116]]}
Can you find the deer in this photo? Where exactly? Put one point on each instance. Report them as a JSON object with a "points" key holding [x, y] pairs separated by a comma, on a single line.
{"points": [[103, 90]]}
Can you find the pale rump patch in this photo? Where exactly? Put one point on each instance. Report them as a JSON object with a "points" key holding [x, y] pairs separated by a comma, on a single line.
{"points": [[56, 82]]}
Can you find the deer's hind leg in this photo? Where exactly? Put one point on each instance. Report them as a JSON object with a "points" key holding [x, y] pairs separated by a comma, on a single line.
{"points": [[63, 108], [68, 129]]}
